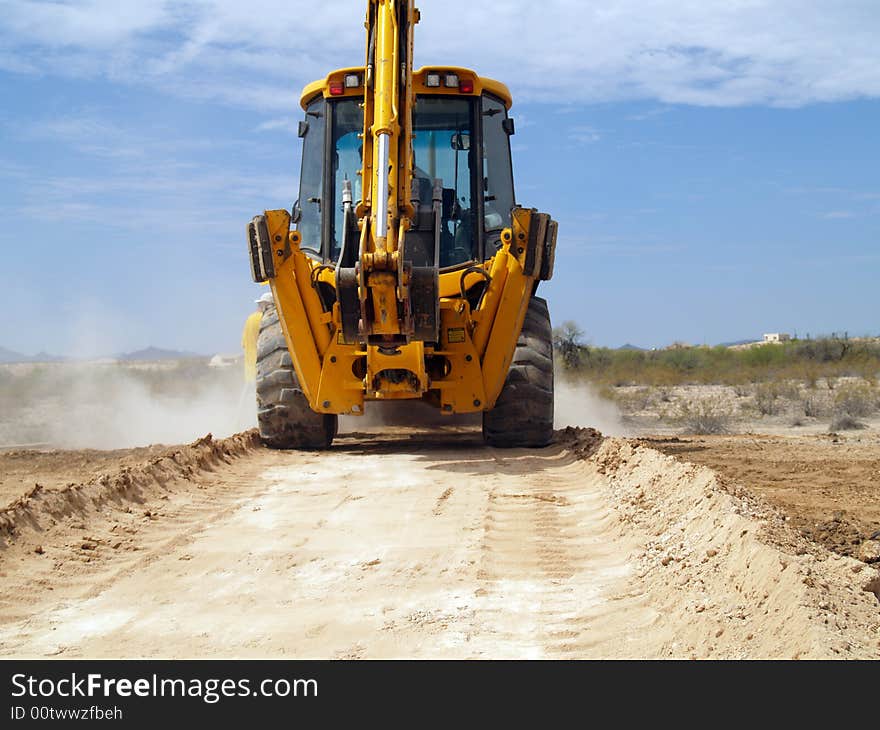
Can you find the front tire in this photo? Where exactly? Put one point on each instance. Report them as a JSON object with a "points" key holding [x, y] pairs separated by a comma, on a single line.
{"points": [[523, 413], [285, 419]]}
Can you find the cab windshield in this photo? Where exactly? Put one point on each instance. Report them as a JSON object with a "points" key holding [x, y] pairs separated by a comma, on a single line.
{"points": [[476, 178]]}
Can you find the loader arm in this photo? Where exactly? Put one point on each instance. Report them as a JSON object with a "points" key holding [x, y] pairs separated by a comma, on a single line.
{"points": [[386, 212]]}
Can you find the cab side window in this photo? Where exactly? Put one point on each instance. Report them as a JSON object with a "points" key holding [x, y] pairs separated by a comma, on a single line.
{"points": [[497, 172]]}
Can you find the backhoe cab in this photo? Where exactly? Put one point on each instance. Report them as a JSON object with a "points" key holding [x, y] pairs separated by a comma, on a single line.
{"points": [[405, 269]]}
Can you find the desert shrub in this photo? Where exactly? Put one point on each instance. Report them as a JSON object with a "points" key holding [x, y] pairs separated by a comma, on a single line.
{"points": [[811, 361], [766, 399], [770, 397], [851, 402], [813, 406], [826, 349], [856, 400], [640, 399], [683, 359], [568, 343], [595, 364], [705, 416], [867, 369], [664, 395], [845, 422], [764, 356], [809, 373]]}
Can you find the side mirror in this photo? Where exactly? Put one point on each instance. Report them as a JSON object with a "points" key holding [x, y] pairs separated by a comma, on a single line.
{"points": [[296, 213], [508, 126], [461, 141], [303, 128]]}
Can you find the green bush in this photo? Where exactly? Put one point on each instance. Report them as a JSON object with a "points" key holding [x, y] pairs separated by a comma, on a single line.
{"points": [[809, 361], [568, 344]]}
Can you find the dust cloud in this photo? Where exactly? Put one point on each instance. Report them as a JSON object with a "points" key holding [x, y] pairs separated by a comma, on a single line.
{"points": [[121, 405], [115, 405], [575, 404], [578, 404]]}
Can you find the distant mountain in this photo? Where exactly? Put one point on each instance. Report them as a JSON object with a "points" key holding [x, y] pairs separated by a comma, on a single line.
{"points": [[148, 354], [157, 353], [48, 357], [628, 346], [12, 356]]}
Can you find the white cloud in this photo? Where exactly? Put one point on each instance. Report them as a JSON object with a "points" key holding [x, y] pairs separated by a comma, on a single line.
{"points": [[88, 133], [704, 52], [583, 134], [649, 114], [282, 124], [83, 24], [838, 215], [141, 180]]}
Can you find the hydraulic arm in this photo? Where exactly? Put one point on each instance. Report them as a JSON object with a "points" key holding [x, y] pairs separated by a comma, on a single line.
{"points": [[382, 275]]}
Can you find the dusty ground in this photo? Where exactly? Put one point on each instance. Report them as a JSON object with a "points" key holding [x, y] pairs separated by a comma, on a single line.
{"points": [[828, 485], [22, 469], [421, 544]]}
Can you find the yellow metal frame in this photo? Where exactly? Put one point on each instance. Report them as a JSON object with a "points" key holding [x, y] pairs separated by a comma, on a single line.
{"points": [[465, 370], [478, 345]]}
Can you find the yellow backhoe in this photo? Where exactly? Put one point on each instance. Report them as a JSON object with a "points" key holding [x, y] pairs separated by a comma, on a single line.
{"points": [[405, 270]]}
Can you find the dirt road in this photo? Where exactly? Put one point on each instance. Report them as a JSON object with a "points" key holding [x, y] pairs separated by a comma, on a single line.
{"points": [[411, 544]]}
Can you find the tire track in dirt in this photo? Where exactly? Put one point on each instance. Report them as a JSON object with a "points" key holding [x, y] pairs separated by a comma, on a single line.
{"points": [[430, 545], [552, 543]]}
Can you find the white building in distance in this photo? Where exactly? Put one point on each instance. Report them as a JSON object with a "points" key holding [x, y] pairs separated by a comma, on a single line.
{"points": [[777, 337]]}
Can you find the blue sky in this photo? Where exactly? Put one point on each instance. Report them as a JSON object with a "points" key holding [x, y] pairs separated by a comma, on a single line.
{"points": [[713, 165]]}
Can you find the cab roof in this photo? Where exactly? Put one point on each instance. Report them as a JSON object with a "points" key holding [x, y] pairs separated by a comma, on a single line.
{"points": [[337, 79]]}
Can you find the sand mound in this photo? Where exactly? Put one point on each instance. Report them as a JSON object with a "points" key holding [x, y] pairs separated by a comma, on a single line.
{"points": [[726, 569], [38, 505]]}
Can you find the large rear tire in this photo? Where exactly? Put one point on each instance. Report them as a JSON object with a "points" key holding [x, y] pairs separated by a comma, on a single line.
{"points": [[523, 413], [283, 413]]}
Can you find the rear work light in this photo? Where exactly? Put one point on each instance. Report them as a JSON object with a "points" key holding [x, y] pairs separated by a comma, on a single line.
{"points": [[466, 86], [451, 81], [352, 81], [336, 89], [432, 81]]}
